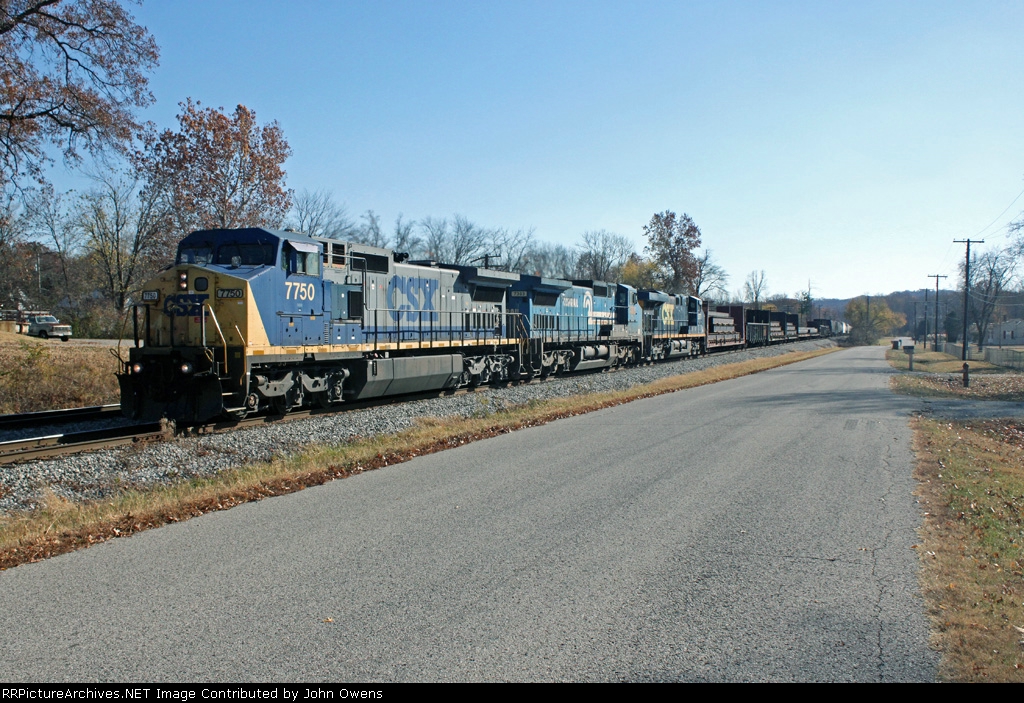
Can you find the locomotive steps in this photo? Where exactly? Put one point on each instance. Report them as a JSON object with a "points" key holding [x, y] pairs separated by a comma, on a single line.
{"points": [[59, 525]]}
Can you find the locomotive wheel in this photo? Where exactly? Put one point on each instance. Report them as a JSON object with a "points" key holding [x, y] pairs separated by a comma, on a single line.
{"points": [[320, 400], [281, 404]]}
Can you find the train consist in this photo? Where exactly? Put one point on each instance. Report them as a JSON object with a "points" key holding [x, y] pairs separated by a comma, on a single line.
{"points": [[254, 319]]}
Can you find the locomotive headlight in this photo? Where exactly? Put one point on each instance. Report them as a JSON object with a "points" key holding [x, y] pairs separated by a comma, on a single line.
{"points": [[186, 368], [183, 281], [136, 367]]}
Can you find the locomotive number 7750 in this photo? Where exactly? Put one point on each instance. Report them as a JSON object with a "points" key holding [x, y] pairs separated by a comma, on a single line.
{"points": [[300, 291]]}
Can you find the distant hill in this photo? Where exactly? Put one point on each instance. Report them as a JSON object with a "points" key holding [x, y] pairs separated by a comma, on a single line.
{"points": [[901, 302]]}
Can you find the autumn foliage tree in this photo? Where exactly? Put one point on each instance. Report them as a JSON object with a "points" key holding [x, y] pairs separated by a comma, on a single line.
{"points": [[640, 272], [71, 74], [219, 170], [672, 241], [871, 319]]}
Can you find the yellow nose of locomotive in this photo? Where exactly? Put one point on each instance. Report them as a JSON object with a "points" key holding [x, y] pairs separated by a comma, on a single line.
{"points": [[190, 358], [188, 306]]}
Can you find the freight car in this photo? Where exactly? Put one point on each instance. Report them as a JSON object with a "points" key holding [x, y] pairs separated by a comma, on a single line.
{"points": [[254, 319]]}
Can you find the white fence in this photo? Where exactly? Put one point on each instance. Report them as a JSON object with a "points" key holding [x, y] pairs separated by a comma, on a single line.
{"points": [[1012, 358]]}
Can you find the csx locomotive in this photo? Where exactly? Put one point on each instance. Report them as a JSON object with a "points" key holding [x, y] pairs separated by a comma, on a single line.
{"points": [[257, 319]]}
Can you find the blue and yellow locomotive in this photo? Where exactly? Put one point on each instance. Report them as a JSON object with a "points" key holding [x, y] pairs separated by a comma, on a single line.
{"points": [[255, 319], [252, 318]]}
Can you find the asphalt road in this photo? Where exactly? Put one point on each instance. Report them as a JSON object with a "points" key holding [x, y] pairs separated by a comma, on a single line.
{"points": [[756, 529]]}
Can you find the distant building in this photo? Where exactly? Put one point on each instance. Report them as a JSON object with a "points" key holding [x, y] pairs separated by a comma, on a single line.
{"points": [[1008, 334]]}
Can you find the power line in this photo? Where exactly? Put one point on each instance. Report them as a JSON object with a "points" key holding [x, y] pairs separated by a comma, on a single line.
{"points": [[998, 217]]}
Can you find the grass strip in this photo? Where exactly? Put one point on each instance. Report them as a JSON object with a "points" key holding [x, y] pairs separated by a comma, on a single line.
{"points": [[971, 478], [62, 526], [44, 375], [935, 362], [938, 375], [1004, 387]]}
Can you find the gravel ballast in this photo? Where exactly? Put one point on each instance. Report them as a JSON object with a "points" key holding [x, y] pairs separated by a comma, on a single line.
{"points": [[100, 474]]}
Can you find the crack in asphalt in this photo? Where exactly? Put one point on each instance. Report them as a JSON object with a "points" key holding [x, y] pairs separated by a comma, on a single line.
{"points": [[886, 535]]}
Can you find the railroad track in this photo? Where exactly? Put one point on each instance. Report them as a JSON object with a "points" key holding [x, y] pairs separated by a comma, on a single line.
{"points": [[55, 445], [35, 448], [58, 417], [48, 446]]}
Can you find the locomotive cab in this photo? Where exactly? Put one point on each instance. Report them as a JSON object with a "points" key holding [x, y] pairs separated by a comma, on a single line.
{"points": [[197, 318]]}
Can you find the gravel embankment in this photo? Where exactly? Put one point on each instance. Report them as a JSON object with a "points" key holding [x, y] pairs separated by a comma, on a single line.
{"points": [[102, 473]]}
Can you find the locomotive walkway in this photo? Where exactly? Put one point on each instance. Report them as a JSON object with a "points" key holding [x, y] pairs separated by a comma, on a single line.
{"points": [[754, 529]]}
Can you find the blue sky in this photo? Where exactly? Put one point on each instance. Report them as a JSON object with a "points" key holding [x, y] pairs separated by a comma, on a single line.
{"points": [[842, 143]]}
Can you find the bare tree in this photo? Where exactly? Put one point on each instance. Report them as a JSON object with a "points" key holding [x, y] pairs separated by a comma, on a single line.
{"points": [[369, 232], [128, 230], [710, 279], [435, 237], [459, 241], [405, 239], [549, 260], [755, 288], [51, 221], [13, 234], [512, 246], [602, 255], [468, 241], [991, 274], [318, 215]]}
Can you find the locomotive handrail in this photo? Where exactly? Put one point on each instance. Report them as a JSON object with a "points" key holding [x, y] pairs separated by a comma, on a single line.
{"points": [[207, 306], [437, 325]]}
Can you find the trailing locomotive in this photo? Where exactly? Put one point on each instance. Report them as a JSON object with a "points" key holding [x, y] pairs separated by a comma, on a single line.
{"points": [[254, 319]]}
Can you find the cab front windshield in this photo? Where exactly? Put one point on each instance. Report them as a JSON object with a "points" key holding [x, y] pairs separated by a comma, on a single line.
{"points": [[198, 255], [245, 255], [229, 254]]}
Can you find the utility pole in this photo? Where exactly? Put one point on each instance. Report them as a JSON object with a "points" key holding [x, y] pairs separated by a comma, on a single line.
{"points": [[913, 330], [925, 319], [967, 283], [867, 317], [935, 344]]}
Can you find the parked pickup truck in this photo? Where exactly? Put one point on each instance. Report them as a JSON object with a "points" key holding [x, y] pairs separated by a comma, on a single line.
{"points": [[45, 326]]}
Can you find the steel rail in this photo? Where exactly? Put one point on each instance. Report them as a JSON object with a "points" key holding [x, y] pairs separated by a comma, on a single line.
{"points": [[56, 417], [56, 445]]}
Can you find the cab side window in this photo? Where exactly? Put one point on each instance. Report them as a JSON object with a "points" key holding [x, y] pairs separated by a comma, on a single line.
{"points": [[306, 263]]}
